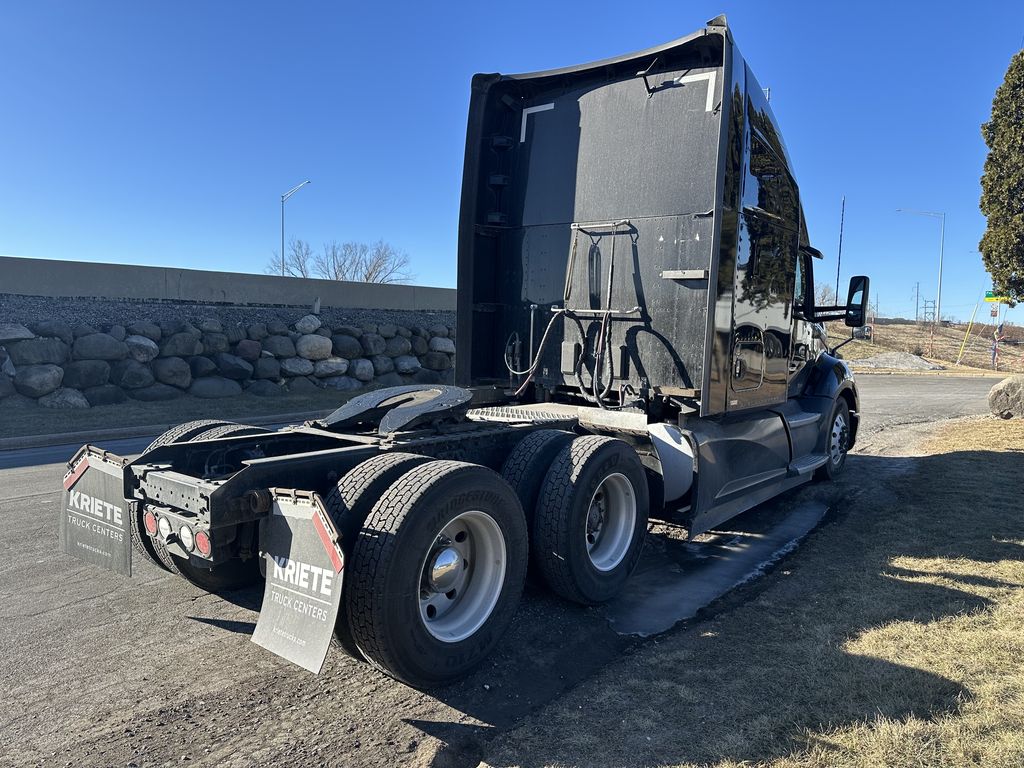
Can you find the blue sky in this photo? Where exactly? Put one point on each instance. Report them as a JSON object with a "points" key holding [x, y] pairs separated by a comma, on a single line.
{"points": [[164, 133]]}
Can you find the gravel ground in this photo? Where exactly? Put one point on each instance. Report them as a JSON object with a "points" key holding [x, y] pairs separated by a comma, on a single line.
{"points": [[896, 361], [100, 312]]}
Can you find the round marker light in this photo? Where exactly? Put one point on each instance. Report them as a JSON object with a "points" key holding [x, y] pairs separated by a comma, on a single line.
{"points": [[149, 520], [165, 527], [203, 544], [187, 538]]}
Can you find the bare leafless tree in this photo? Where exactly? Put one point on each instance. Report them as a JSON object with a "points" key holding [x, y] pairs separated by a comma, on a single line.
{"points": [[298, 261], [362, 263], [351, 261], [824, 295]]}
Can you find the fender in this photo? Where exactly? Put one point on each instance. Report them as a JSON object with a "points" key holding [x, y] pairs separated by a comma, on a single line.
{"points": [[831, 378]]}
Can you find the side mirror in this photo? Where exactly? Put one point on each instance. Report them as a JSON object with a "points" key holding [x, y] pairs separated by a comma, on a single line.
{"points": [[857, 301]]}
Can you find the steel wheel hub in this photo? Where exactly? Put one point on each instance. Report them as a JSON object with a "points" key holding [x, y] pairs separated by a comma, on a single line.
{"points": [[462, 575], [839, 439], [610, 521]]}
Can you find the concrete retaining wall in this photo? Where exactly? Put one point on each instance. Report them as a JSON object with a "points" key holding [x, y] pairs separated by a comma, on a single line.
{"points": [[46, 277]]}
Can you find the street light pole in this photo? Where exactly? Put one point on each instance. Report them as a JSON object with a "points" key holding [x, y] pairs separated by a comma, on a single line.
{"points": [[284, 197], [941, 216]]}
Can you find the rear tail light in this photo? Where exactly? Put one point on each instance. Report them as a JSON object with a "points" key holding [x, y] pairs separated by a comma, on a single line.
{"points": [[187, 538], [164, 525], [149, 520], [203, 544]]}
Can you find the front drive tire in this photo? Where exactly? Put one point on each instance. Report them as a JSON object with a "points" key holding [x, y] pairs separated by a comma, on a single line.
{"points": [[591, 519], [837, 441], [437, 572]]}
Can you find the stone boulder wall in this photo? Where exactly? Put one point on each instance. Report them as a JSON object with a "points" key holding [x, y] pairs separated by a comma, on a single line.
{"points": [[1006, 399], [88, 364]]}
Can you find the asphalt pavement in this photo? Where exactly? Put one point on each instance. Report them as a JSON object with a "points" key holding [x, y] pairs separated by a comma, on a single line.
{"points": [[102, 670]]}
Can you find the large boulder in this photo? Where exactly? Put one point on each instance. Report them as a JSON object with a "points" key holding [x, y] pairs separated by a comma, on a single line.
{"points": [[130, 374], [249, 350], [37, 351], [83, 374], [277, 328], [210, 325], [6, 385], [437, 361], [442, 344], [145, 328], [312, 346], [389, 379], [426, 376], [105, 394], [264, 388], [439, 330], [181, 344], [64, 398], [172, 370], [257, 331], [142, 348], [361, 369], [346, 346], [235, 332], [382, 364], [84, 329], [54, 329], [296, 366], [407, 364], [373, 344], [419, 345], [213, 387], [387, 330], [397, 346], [99, 346], [215, 342], [349, 330], [38, 380], [279, 346], [266, 368], [307, 324], [117, 331], [201, 366], [14, 332], [300, 385], [232, 366], [155, 393], [1006, 399], [332, 366]]}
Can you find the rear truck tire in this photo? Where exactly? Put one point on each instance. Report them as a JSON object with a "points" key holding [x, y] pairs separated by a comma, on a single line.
{"points": [[525, 467], [591, 519], [348, 504], [437, 572], [185, 432], [837, 441], [234, 574]]}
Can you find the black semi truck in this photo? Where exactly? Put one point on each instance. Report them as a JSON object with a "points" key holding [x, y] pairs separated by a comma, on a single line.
{"points": [[637, 338]]}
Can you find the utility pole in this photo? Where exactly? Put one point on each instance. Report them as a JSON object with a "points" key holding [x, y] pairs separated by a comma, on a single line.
{"points": [[917, 302], [941, 216]]}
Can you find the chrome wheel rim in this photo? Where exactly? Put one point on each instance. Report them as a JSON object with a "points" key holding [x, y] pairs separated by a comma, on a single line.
{"points": [[839, 439], [610, 520], [461, 577]]}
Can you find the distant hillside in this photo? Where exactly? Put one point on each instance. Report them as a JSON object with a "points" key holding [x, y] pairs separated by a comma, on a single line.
{"points": [[942, 349]]}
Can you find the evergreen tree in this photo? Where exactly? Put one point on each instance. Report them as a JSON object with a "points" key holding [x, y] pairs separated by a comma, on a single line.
{"points": [[1002, 185]]}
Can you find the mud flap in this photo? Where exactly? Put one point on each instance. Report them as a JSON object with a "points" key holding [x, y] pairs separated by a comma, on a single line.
{"points": [[94, 523], [304, 564]]}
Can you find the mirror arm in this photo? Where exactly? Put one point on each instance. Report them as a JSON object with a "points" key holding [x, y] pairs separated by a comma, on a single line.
{"points": [[839, 345]]}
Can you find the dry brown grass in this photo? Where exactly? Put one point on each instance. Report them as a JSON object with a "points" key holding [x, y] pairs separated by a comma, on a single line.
{"points": [[893, 637], [942, 349]]}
